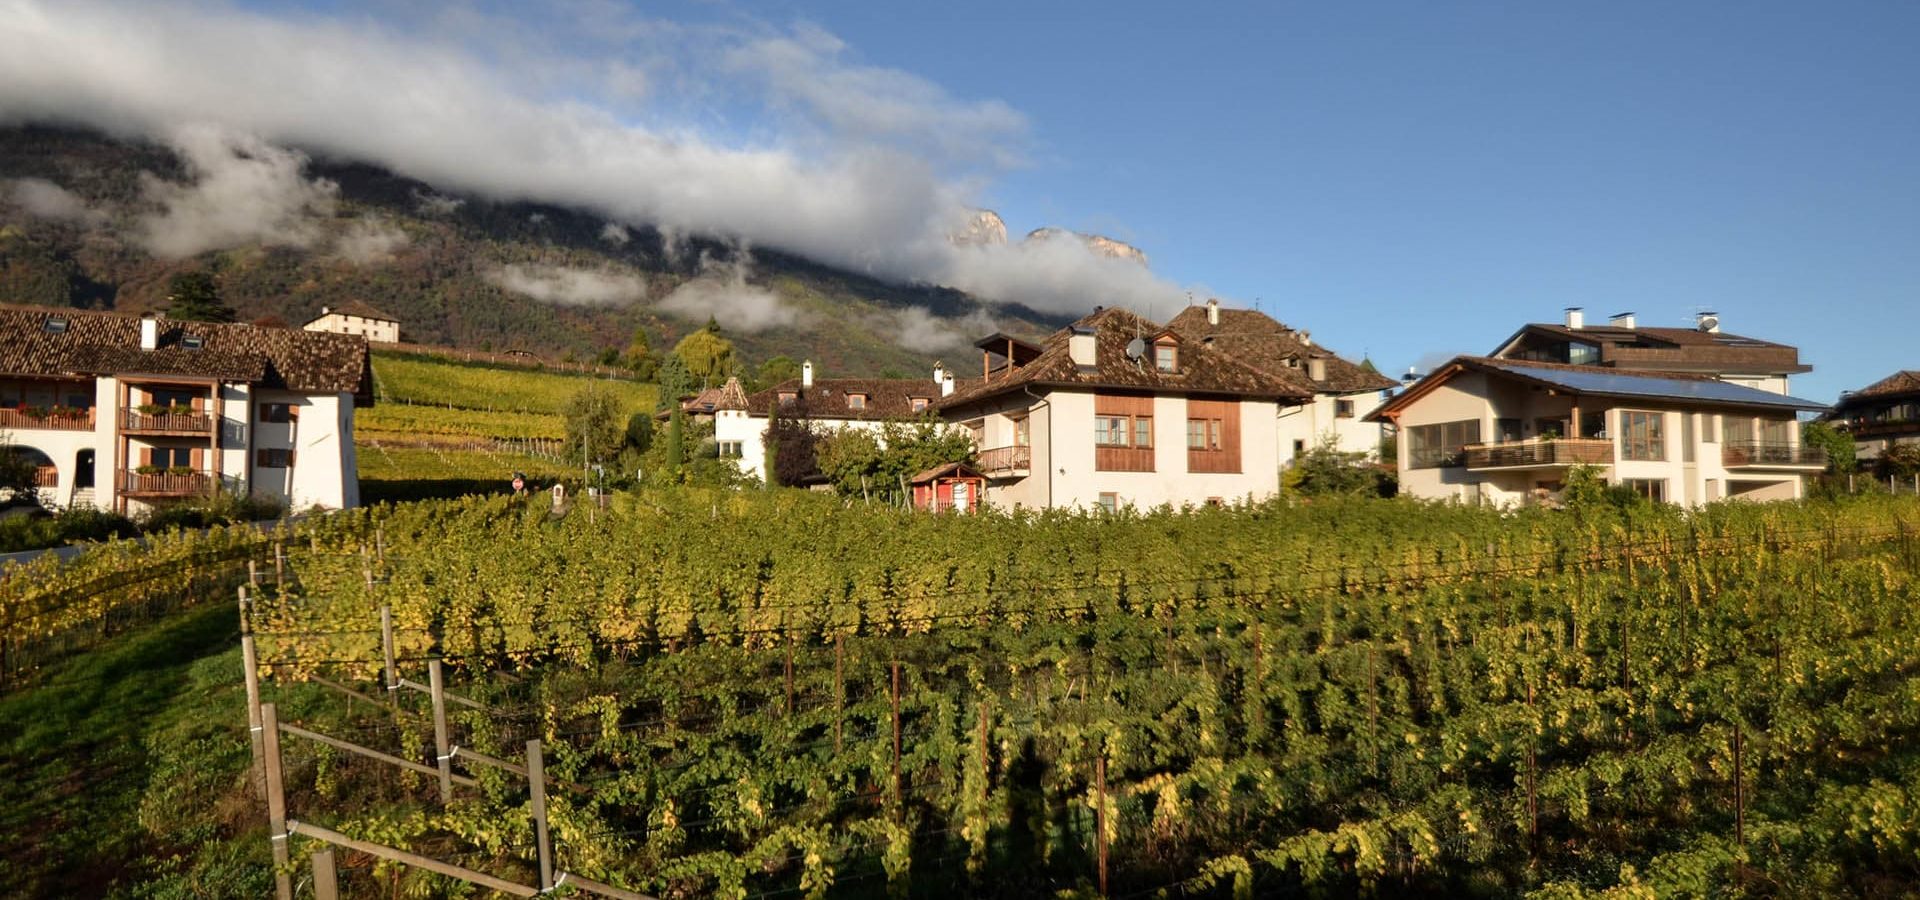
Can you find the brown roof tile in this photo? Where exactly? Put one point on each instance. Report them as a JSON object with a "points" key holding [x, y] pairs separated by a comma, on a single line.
{"points": [[1905, 381], [1203, 369], [887, 398], [108, 343], [1673, 349], [355, 308], [1258, 340]]}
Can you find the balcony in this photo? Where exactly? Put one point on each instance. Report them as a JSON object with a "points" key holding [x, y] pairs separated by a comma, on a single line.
{"points": [[37, 419], [1771, 455], [165, 484], [1539, 454], [178, 421], [1004, 462], [46, 476]]}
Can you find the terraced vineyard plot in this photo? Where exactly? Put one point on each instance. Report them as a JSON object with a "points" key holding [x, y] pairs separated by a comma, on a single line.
{"points": [[412, 380]]}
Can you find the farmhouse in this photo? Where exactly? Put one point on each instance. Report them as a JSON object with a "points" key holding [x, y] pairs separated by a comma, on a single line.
{"points": [[1881, 415], [360, 319], [1115, 411], [126, 412], [740, 420]]}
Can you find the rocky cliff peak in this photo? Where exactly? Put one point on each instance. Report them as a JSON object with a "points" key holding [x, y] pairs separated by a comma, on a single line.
{"points": [[1105, 246]]}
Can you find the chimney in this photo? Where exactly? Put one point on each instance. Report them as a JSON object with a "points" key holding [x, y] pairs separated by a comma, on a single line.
{"points": [[939, 373], [1576, 318], [1317, 369], [1708, 322], [1080, 347], [946, 385], [1213, 312], [1306, 337], [149, 332], [1412, 376], [806, 374], [1621, 320]]}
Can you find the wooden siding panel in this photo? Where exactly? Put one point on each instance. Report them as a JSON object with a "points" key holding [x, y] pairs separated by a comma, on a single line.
{"points": [[1226, 459], [1123, 459]]}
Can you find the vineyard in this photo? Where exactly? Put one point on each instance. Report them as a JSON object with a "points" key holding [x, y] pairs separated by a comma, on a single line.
{"points": [[767, 694], [412, 380]]}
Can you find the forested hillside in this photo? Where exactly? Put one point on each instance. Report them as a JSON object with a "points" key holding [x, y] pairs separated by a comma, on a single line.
{"points": [[461, 271]]}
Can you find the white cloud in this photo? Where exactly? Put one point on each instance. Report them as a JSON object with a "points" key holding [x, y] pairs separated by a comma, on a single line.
{"points": [[369, 239], [428, 203], [863, 167], [244, 191], [45, 200], [570, 286], [918, 329], [616, 234], [722, 292]]}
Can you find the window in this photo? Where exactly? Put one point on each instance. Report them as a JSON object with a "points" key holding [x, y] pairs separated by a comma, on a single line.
{"points": [[1299, 447], [1776, 432], [1203, 434], [1709, 428], [1123, 431], [277, 412], [1110, 502], [730, 449], [1166, 357], [787, 398], [192, 342], [1216, 502], [1343, 409], [56, 325], [856, 401], [978, 428], [1737, 429], [1441, 445], [1021, 435], [266, 458], [170, 457], [1642, 436], [919, 404], [1686, 437], [1654, 489]]}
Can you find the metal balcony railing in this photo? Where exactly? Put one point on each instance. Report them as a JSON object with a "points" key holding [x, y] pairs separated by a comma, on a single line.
{"points": [[1763, 454]]}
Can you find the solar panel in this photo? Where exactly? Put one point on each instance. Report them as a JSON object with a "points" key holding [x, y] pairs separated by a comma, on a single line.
{"points": [[1664, 388]]}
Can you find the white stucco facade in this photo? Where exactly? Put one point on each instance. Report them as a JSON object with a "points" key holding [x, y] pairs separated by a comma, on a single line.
{"points": [[1341, 417], [374, 329]]}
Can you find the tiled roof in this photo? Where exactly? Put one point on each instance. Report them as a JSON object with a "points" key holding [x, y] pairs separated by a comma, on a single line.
{"points": [[1256, 339], [887, 398], [356, 308], [1203, 369], [108, 343], [946, 470], [1905, 381], [727, 396]]}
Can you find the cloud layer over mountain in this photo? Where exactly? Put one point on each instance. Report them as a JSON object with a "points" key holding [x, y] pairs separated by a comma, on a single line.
{"points": [[857, 166]]}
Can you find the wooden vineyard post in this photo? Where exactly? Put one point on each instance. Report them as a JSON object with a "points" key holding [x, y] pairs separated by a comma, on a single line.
{"points": [[442, 754], [386, 647], [276, 802], [899, 796], [789, 673], [326, 880], [1533, 796], [1100, 815], [253, 573], [1739, 794], [537, 788], [839, 689], [250, 658], [1256, 691], [985, 781], [279, 567]]}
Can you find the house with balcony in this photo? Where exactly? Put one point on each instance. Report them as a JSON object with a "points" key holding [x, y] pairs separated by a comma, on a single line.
{"points": [[1622, 343], [740, 420], [129, 412], [357, 319], [1881, 415], [1507, 431], [1117, 411], [1344, 393]]}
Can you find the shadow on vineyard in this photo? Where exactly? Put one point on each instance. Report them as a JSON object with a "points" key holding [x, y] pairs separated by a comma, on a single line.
{"points": [[770, 695]]}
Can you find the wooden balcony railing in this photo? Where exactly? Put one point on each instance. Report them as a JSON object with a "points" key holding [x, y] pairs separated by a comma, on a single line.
{"points": [[173, 422], [1769, 454], [29, 419], [1004, 460], [166, 483], [1540, 453], [46, 476]]}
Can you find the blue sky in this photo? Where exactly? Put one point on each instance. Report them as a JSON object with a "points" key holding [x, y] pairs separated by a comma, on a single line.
{"points": [[1406, 180], [1420, 178]]}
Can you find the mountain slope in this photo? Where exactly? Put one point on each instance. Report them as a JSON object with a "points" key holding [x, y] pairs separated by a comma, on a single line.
{"points": [[461, 271]]}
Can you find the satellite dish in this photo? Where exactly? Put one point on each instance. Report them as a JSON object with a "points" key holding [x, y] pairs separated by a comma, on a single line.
{"points": [[1136, 349], [1709, 322]]}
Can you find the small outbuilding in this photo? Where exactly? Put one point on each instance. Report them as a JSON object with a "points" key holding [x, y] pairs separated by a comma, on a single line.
{"points": [[953, 486]]}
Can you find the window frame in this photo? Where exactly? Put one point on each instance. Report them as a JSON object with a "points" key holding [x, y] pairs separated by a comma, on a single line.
{"points": [[1166, 357], [1441, 445], [1643, 436], [1343, 409], [856, 400], [1133, 430], [264, 412], [1109, 502], [264, 457]]}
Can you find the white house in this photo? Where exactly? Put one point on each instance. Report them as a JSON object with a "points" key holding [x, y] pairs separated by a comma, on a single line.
{"points": [[1623, 343], [359, 319], [1507, 431], [127, 412], [1344, 393], [1117, 411], [740, 420]]}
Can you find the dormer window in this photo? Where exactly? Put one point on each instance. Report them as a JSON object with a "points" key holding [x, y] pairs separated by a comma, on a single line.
{"points": [[192, 342], [787, 398], [56, 325], [919, 404], [1166, 357], [856, 401]]}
